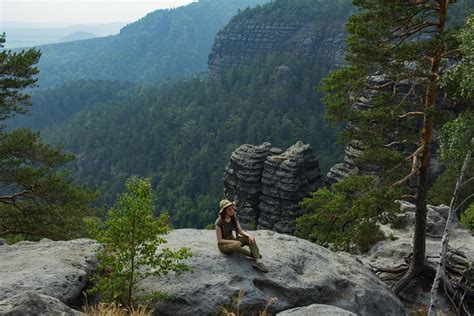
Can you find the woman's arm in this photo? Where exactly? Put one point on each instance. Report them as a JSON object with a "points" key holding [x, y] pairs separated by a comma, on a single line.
{"points": [[245, 234], [222, 241]]}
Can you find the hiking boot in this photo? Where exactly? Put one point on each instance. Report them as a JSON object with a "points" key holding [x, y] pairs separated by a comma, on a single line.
{"points": [[260, 266], [250, 256]]}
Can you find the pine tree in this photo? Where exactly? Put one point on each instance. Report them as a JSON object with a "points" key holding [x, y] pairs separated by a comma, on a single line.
{"points": [[38, 197], [396, 50]]}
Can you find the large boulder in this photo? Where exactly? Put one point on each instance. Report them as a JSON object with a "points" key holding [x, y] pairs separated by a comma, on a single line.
{"points": [[30, 303], [300, 273], [315, 310], [60, 269]]}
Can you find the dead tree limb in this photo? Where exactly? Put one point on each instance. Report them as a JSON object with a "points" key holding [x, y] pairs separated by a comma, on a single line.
{"points": [[440, 270]]}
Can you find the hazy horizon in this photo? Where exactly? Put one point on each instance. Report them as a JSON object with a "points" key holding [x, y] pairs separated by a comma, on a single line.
{"points": [[30, 23], [70, 12]]}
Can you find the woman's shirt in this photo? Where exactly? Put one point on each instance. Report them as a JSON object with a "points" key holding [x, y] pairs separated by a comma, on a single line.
{"points": [[227, 227]]}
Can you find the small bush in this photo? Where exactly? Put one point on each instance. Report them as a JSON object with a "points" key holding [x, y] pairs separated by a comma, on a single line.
{"points": [[347, 217], [368, 235], [467, 218]]}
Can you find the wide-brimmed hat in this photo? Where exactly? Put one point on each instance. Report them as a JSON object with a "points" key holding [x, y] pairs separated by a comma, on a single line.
{"points": [[223, 204]]}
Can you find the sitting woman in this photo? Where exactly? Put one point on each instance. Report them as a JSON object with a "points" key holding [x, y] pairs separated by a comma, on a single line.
{"points": [[226, 224]]}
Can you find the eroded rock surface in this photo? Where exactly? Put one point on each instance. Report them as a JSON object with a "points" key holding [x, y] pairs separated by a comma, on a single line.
{"points": [[244, 39], [300, 273], [60, 269], [31, 303], [267, 184], [315, 310]]}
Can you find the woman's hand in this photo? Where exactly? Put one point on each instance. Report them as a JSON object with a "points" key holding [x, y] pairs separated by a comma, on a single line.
{"points": [[251, 240]]}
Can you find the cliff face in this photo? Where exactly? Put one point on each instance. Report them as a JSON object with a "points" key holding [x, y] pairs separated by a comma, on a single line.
{"points": [[267, 184], [243, 40]]}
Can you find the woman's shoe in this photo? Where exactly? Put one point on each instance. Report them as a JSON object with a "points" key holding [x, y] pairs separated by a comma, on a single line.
{"points": [[260, 266]]}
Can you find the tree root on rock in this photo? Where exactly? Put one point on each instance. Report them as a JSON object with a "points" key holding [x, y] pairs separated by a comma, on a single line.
{"points": [[457, 280]]}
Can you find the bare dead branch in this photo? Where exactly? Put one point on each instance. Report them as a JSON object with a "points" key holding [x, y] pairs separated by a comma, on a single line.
{"points": [[412, 114], [408, 177], [465, 200], [467, 181], [416, 152], [10, 199]]}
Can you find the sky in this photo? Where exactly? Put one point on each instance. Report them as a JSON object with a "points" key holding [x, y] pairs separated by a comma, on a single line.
{"points": [[84, 11]]}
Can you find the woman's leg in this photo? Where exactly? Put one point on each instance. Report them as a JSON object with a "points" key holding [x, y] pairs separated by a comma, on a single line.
{"points": [[233, 248], [253, 247]]}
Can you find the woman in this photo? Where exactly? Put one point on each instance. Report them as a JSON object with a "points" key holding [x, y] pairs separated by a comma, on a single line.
{"points": [[227, 243]]}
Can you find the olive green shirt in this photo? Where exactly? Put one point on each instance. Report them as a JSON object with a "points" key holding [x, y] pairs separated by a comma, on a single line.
{"points": [[228, 227]]}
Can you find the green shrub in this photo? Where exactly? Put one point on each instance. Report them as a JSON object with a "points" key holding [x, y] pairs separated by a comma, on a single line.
{"points": [[130, 237], [347, 218], [467, 218]]}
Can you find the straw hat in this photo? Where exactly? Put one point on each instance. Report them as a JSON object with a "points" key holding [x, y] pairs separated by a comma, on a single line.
{"points": [[223, 204]]}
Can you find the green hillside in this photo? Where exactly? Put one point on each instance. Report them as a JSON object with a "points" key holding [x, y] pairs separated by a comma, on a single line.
{"points": [[163, 44], [181, 134]]}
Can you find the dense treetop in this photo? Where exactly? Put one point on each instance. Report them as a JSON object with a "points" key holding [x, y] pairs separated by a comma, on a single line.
{"points": [[181, 134]]}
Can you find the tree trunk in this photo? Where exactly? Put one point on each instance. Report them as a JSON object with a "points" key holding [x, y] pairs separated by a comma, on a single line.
{"points": [[418, 263]]}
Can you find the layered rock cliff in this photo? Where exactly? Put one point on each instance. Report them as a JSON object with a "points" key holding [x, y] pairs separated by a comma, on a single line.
{"points": [[285, 30], [267, 184]]}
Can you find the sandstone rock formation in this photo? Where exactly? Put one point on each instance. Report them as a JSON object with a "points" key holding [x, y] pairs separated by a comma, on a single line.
{"points": [[267, 184], [316, 309], [59, 269], [391, 252], [244, 39], [300, 273], [31, 303]]}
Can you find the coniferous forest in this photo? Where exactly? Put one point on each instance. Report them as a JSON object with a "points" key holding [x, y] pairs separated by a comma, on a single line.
{"points": [[125, 137]]}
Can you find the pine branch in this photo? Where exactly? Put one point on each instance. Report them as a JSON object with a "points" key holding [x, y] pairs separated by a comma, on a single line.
{"points": [[11, 199]]}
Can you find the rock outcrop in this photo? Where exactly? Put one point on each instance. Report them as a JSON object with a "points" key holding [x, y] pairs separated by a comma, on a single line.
{"points": [[246, 38], [32, 303], [267, 184], [316, 309], [60, 269], [300, 274], [393, 250]]}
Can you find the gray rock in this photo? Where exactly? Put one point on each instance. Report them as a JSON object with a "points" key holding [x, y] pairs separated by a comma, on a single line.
{"points": [[316, 309], [241, 42], [267, 184], [300, 273], [31, 303], [56, 268], [435, 218], [2, 242], [287, 179]]}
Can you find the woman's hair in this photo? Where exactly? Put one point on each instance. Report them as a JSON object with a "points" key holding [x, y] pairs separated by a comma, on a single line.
{"points": [[232, 218]]}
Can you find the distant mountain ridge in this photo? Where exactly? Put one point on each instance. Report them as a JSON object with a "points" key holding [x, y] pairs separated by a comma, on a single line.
{"points": [[24, 34], [76, 36], [164, 44]]}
